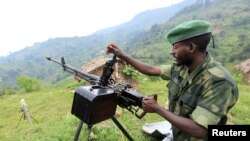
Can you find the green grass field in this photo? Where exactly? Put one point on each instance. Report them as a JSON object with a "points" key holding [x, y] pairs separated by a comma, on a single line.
{"points": [[51, 109]]}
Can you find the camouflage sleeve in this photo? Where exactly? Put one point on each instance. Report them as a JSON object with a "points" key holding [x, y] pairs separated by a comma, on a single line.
{"points": [[166, 72], [214, 103]]}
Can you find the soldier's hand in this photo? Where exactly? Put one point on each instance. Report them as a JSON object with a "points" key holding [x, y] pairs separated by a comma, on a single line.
{"points": [[149, 104], [111, 48]]}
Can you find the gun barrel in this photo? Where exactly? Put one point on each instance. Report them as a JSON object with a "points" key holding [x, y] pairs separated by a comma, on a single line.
{"points": [[88, 77]]}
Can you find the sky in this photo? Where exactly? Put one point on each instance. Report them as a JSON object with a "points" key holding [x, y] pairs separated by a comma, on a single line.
{"points": [[25, 22]]}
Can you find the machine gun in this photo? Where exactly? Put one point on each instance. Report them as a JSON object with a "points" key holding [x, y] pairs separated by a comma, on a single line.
{"points": [[97, 102]]}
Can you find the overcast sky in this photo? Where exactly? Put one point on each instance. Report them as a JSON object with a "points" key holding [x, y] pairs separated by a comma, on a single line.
{"points": [[25, 22]]}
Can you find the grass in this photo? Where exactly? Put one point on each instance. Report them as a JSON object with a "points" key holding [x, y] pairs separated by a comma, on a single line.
{"points": [[51, 108], [47, 107], [240, 112]]}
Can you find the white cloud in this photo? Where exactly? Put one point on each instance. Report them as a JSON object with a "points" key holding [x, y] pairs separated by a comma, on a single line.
{"points": [[24, 22]]}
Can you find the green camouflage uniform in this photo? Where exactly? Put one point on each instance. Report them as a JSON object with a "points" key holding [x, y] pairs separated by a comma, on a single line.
{"points": [[205, 95]]}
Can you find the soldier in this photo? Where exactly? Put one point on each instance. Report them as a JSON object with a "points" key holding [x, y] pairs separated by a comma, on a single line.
{"points": [[201, 90]]}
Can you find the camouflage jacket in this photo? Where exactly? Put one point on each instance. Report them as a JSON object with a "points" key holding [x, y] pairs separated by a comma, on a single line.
{"points": [[205, 95]]}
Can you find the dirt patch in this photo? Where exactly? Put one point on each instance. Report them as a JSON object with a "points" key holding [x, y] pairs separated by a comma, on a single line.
{"points": [[244, 67]]}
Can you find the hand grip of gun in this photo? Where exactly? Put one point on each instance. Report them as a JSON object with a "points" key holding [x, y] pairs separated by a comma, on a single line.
{"points": [[154, 96]]}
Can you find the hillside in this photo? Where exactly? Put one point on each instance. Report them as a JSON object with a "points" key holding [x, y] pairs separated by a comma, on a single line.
{"points": [[230, 29], [143, 21], [76, 50]]}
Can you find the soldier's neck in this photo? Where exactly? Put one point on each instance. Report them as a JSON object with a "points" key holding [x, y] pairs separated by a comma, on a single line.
{"points": [[197, 60]]}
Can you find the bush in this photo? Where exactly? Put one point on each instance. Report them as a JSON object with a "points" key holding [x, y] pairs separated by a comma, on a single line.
{"points": [[130, 72], [7, 91], [28, 84]]}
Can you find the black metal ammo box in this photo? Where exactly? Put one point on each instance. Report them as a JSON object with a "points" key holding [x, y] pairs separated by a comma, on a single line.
{"points": [[93, 104]]}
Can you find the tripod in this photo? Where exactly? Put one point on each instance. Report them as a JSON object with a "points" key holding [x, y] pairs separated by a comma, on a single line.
{"points": [[117, 123], [25, 113]]}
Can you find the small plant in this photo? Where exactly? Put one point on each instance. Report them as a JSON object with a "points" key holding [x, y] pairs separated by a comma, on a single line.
{"points": [[130, 72]]}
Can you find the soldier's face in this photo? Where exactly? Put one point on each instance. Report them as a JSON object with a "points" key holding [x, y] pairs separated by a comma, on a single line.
{"points": [[180, 52]]}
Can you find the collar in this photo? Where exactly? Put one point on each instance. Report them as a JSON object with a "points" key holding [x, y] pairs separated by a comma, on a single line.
{"points": [[189, 76]]}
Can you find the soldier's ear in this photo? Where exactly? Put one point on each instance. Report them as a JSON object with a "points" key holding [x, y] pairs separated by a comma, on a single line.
{"points": [[192, 47]]}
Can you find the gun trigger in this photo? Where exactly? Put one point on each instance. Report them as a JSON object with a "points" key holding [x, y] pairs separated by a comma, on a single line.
{"points": [[141, 115]]}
